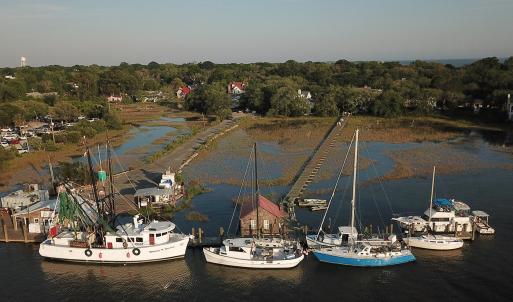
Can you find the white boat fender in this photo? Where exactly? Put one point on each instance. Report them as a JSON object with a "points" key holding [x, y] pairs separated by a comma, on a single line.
{"points": [[88, 253], [392, 238], [136, 251]]}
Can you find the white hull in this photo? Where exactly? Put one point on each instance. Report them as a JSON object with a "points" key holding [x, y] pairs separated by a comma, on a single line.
{"points": [[434, 242], [212, 257], [150, 253]]}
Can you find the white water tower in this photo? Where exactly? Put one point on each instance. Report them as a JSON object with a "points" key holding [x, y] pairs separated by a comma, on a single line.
{"points": [[23, 62]]}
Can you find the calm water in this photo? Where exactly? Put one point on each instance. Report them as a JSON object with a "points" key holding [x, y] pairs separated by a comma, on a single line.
{"points": [[481, 271]]}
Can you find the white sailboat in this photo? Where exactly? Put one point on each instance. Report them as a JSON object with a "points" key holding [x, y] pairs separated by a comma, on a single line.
{"points": [[430, 241], [258, 253], [86, 233], [359, 251]]}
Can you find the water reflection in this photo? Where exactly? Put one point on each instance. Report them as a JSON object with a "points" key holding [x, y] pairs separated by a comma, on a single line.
{"points": [[156, 277], [242, 276], [431, 255]]}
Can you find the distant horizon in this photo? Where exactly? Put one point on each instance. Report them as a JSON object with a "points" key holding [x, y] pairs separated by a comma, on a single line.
{"points": [[463, 61]]}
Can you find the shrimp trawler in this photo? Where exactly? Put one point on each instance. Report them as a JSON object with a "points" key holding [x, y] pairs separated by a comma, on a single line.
{"points": [[354, 250], [431, 241], [87, 232], [256, 252]]}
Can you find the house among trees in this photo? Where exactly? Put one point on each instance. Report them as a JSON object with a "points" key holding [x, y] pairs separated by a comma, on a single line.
{"points": [[114, 98], [304, 94], [271, 218], [236, 88], [182, 92]]}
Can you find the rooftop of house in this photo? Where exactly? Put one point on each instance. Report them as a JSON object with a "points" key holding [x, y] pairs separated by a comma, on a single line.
{"points": [[265, 204]]}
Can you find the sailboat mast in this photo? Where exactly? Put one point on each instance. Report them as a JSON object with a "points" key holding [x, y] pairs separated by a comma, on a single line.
{"points": [[257, 192], [111, 181], [353, 202], [93, 180], [432, 192]]}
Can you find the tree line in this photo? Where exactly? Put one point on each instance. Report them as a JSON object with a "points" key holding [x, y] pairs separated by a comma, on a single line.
{"points": [[380, 88]]}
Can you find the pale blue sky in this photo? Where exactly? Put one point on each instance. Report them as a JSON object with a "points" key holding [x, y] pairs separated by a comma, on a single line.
{"points": [[111, 31]]}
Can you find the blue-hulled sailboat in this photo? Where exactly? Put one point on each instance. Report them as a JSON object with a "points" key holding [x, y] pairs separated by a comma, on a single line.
{"points": [[364, 252]]}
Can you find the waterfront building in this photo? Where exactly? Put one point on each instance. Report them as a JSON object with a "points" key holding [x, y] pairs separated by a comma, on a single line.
{"points": [[271, 218]]}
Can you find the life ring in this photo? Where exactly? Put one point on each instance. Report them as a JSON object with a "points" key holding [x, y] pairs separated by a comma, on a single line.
{"points": [[136, 251], [88, 253]]}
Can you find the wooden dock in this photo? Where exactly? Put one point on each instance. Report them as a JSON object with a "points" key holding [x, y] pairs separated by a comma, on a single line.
{"points": [[312, 166]]}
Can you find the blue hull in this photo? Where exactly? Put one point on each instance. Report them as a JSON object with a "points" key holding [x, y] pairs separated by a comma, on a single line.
{"points": [[365, 262]]}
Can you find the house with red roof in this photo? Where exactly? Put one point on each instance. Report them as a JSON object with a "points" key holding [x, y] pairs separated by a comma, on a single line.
{"points": [[182, 92], [271, 218], [236, 88]]}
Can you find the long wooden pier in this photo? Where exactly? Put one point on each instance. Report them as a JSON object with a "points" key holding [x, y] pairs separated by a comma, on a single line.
{"points": [[312, 166]]}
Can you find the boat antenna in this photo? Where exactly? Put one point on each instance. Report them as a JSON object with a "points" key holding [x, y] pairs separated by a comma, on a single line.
{"points": [[431, 198], [93, 178], [111, 179], [353, 202], [257, 192]]}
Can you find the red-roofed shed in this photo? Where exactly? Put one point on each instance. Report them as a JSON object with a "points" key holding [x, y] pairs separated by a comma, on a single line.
{"points": [[271, 218]]}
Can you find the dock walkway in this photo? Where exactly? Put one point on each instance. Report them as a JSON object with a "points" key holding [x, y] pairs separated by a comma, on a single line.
{"points": [[149, 174], [312, 166]]}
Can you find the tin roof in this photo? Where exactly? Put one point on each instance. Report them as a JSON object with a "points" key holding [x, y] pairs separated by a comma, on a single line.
{"points": [[265, 204], [153, 192]]}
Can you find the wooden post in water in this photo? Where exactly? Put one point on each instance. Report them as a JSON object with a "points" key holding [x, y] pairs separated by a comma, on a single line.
{"points": [[391, 228], [455, 229], [6, 235], [200, 234], [370, 229], [193, 233], [25, 232], [221, 232], [386, 230], [473, 228]]}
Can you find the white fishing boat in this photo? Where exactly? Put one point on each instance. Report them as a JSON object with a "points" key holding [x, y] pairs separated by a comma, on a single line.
{"points": [[87, 232], [256, 252], [130, 243], [430, 241], [361, 251], [264, 253]]}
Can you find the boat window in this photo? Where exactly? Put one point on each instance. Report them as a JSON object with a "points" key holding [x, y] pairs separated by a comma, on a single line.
{"points": [[235, 249], [119, 239], [138, 239], [158, 235], [130, 239], [153, 229]]}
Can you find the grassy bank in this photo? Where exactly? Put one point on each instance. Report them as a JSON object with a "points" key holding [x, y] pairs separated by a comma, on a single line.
{"points": [[411, 129]]}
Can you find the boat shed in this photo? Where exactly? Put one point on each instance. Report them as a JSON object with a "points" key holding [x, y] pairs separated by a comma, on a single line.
{"points": [[38, 216], [150, 196], [271, 218]]}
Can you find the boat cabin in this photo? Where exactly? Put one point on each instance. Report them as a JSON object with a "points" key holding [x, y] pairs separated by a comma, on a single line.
{"points": [[136, 234], [347, 234]]}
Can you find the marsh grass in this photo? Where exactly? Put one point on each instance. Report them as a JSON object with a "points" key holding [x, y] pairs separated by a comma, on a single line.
{"points": [[409, 129], [196, 216]]}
